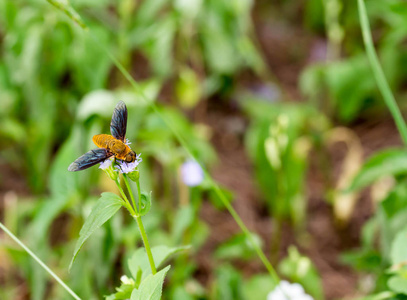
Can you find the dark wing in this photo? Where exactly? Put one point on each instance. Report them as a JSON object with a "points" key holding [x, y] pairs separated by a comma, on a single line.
{"points": [[89, 159], [119, 121]]}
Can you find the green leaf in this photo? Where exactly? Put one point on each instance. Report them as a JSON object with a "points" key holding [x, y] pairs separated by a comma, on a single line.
{"points": [[159, 47], [183, 219], [349, 97], [258, 287], [104, 209], [239, 246], [188, 88], [229, 283], [145, 203], [64, 184], [398, 284], [124, 290], [99, 102], [151, 287], [148, 10], [189, 9], [219, 49], [139, 260], [398, 248], [299, 268], [389, 162]]}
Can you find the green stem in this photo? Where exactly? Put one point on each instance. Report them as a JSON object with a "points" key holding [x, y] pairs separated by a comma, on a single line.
{"points": [[137, 217], [143, 231], [276, 240], [126, 181], [378, 72], [332, 9], [70, 12], [239, 221], [146, 244], [39, 261], [126, 201], [138, 191]]}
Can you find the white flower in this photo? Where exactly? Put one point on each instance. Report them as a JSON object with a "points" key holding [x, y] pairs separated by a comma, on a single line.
{"points": [[288, 291], [125, 167], [105, 164], [191, 173], [127, 142], [126, 280]]}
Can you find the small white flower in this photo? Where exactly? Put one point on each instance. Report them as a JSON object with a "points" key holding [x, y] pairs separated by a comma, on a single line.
{"points": [[127, 280], [191, 173], [125, 167], [105, 164], [288, 291], [127, 142]]}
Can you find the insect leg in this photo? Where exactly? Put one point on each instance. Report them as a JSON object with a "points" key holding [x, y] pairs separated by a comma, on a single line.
{"points": [[115, 161]]}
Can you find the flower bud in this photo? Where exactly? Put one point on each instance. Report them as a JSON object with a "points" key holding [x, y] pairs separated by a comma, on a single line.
{"points": [[112, 173], [134, 175]]}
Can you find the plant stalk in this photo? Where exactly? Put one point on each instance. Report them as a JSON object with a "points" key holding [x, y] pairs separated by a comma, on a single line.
{"points": [[39, 261], [143, 231], [135, 214], [126, 181], [146, 244], [379, 74], [125, 200]]}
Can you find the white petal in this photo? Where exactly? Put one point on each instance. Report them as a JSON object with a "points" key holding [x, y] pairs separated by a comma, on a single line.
{"points": [[296, 289], [285, 285], [277, 294]]}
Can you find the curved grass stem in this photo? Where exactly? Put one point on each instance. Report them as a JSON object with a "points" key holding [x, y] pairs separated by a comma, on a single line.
{"points": [[39, 261], [379, 74], [243, 227]]}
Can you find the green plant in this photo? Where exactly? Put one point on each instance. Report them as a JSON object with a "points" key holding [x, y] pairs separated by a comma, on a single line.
{"points": [[382, 235], [388, 222], [344, 87], [182, 140], [299, 268], [145, 286], [278, 141]]}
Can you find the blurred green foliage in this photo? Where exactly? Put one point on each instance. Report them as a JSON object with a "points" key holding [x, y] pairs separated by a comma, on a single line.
{"points": [[383, 236], [58, 88], [48, 65], [300, 269], [278, 142], [53, 83], [344, 87]]}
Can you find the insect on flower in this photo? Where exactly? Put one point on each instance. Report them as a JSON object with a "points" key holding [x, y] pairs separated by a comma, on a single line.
{"points": [[109, 145]]}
